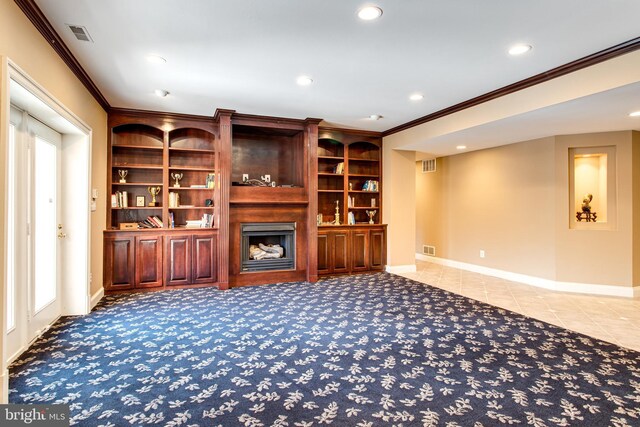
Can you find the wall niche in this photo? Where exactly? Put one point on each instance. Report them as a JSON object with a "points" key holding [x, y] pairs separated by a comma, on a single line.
{"points": [[592, 177]]}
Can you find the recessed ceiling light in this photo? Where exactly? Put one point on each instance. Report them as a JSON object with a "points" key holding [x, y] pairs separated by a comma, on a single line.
{"points": [[304, 80], [461, 147], [156, 59], [416, 97], [635, 114], [369, 13], [375, 117], [161, 92], [519, 49]]}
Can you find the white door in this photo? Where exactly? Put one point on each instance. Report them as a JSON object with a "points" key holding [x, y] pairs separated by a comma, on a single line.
{"points": [[34, 210]]}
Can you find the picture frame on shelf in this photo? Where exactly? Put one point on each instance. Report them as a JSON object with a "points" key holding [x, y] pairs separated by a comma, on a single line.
{"points": [[140, 201]]}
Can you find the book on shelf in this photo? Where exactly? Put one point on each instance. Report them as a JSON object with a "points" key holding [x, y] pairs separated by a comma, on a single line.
{"points": [[198, 186], [370, 185], [174, 199], [339, 168], [120, 199], [351, 219], [205, 222], [151, 222]]}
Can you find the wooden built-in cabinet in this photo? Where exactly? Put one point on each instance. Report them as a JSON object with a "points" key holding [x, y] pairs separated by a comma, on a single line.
{"points": [[191, 259], [149, 151], [343, 249], [349, 174], [196, 165], [155, 259]]}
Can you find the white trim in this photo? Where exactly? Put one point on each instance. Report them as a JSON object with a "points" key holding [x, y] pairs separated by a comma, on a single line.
{"points": [[95, 298], [4, 386], [397, 269], [573, 287]]}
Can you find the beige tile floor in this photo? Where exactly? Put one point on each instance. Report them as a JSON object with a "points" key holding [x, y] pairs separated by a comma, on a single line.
{"points": [[612, 319]]}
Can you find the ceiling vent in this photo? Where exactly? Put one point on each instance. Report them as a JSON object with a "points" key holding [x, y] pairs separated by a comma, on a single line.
{"points": [[429, 165], [80, 32]]}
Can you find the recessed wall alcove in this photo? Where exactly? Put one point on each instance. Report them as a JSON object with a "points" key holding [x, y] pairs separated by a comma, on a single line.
{"points": [[592, 175]]}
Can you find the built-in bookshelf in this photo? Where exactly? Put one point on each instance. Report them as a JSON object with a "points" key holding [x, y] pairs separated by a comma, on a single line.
{"points": [[349, 166], [176, 167]]}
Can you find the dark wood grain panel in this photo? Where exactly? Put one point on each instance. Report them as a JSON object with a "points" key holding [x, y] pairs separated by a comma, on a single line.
{"points": [[178, 260], [204, 265], [340, 252], [378, 250], [119, 267], [148, 261]]}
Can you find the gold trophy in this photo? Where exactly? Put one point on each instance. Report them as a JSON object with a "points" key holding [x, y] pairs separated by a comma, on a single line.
{"points": [[371, 214], [154, 191], [177, 177], [123, 173], [337, 220]]}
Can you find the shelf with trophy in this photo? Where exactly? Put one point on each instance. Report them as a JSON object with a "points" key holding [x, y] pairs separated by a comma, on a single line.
{"points": [[351, 237], [192, 179], [136, 158]]}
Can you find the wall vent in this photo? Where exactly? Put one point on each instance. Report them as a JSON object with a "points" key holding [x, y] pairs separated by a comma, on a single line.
{"points": [[80, 32], [429, 165], [428, 250]]}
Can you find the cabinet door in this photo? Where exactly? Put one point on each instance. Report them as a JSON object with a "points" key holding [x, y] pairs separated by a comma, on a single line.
{"points": [[340, 259], [359, 250], [178, 260], [118, 263], [378, 250], [204, 268], [148, 261], [323, 253]]}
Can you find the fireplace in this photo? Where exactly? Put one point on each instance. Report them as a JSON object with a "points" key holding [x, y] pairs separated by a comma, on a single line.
{"points": [[268, 246]]}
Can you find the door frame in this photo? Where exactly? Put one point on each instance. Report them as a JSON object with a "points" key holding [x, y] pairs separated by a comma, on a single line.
{"points": [[76, 200]]}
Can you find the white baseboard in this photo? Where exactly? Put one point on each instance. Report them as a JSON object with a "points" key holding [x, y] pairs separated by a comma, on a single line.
{"points": [[4, 386], [581, 288], [395, 269], [95, 298]]}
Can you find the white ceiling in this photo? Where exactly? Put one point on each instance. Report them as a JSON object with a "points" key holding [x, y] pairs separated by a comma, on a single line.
{"points": [[246, 54]]}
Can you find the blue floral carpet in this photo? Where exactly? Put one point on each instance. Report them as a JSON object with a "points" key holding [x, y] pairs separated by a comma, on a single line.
{"points": [[369, 350]]}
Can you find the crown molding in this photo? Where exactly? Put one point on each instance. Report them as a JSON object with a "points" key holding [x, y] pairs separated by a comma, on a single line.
{"points": [[37, 18], [579, 64]]}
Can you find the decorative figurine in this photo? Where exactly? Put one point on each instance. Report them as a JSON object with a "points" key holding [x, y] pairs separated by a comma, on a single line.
{"points": [[337, 220], [177, 177], [154, 191], [586, 200], [371, 214], [123, 173]]}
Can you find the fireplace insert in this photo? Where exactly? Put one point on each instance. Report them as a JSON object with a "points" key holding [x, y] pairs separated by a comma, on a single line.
{"points": [[268, 246]]}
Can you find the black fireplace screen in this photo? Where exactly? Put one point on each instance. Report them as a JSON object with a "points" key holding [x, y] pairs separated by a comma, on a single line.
{"points": [[268, 246]]}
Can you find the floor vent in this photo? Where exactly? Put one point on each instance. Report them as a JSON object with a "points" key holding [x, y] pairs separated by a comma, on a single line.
{"points": [[428, 250], [429, 165], [80, 32]]}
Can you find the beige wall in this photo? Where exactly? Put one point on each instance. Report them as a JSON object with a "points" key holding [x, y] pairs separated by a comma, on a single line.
{"points": [[499, 200], [21, 43], [399, 205], [635, 146], [513, 203], [601, 254]]}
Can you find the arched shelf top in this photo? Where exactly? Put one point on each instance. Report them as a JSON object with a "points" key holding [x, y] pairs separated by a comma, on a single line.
{"points": [[135, 134], [190, 138]]}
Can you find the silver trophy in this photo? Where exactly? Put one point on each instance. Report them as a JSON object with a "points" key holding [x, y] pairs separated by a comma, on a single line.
{"points": [[371, 214], [177, 177], [123, 174]]}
